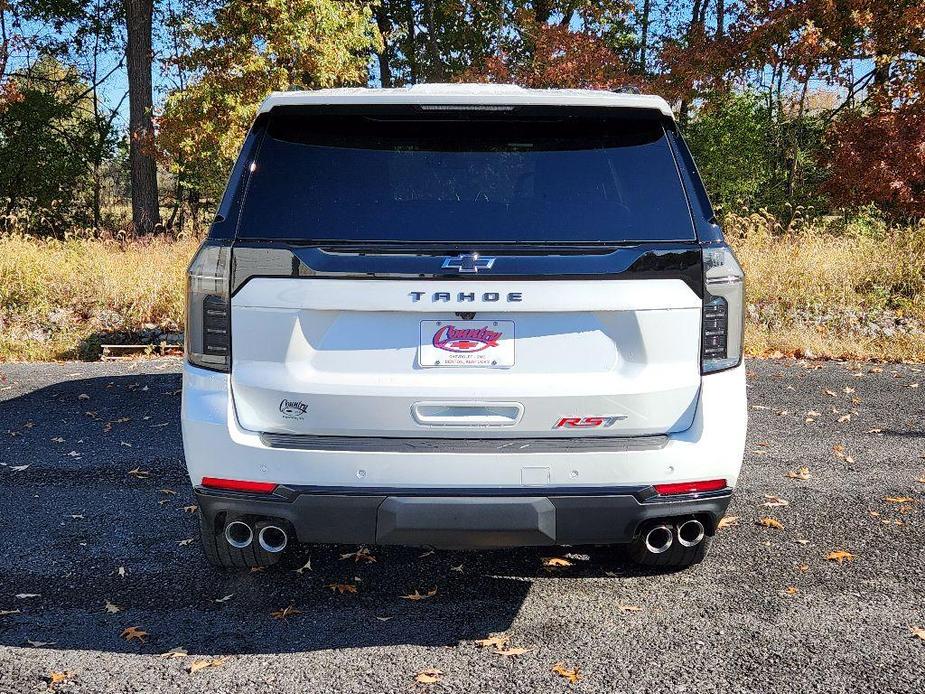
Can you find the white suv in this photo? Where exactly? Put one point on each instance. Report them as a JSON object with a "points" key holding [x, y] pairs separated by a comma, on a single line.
{"points": [[463, 316]]}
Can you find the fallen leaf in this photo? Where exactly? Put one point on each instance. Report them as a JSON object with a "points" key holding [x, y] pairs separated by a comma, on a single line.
{"points": [[306, 567], [285, 613], [384, 619], [830, 392], [918, 632], [139, 473], [19, 468], [628, 608], [428, 553], [429, 676], [848, 390], [839, 555], [225, 599], [899, 499], [792, 590], [27, 596], [844, 418], [459, 569], [362, 554], [40, 644], [58, 677], [203, 664], [512, 652], [58, 439], [130, 633], [110, 608], [556, 561], [192, 508], [4, 613], [83, 396], [571, 675], [167, 491], [184, 543], [342, 588], [774, 501], [122, 572], [727, 522], [921, 480], [174, 653], [801, 474], [493, 641], [912, 385], [769, 522], [418, 596]]}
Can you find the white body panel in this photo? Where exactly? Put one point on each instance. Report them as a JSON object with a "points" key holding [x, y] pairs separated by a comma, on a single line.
{"points": [[216, 445], [347, 355]]}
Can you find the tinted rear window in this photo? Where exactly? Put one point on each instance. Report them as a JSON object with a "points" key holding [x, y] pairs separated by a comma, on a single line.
{"points": [[433, 177]]}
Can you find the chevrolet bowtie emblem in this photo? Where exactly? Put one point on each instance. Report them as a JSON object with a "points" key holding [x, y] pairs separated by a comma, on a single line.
{"points": [[468, 262]]}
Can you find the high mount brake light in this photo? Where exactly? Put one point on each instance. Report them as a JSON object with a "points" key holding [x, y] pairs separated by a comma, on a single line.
{"points": [[689, 487], [238, 485], [208, 314], [723, 310]]}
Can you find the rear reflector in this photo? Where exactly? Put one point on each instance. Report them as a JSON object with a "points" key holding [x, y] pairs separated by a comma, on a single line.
{"points": [[690, 487], [238, 485]]}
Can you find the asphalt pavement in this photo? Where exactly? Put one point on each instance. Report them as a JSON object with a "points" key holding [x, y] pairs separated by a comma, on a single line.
{"points": [[97, 536]]}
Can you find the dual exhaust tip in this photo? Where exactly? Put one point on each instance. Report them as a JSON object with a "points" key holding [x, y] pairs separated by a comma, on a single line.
{"points": [[688, 533], [271, 538]]}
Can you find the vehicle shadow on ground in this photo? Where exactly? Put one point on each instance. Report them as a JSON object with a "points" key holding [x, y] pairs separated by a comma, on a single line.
{"points": [[101, 516]]}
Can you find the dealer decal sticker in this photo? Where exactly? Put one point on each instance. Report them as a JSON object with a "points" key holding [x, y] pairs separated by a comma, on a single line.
{"points": [[453, 339]]}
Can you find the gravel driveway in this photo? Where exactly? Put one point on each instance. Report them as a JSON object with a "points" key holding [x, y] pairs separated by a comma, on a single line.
{"points": [[96, 530]]}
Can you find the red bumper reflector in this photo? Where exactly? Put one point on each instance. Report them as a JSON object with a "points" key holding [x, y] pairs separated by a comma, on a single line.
{"points": [[238, 485], [689, 487]]}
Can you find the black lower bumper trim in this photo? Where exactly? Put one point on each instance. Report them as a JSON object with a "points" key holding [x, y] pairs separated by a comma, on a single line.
{"points": [[473, 521]]}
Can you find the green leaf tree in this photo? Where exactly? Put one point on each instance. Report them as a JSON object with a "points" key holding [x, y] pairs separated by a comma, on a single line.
{"points": [[245, 50]]}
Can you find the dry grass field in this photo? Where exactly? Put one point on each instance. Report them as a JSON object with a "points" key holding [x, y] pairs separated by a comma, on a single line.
{"points": [[815, 288]]}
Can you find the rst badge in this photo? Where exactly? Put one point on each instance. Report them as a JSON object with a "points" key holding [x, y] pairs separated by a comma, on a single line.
{"points": [[467, 343], [588, 422]]}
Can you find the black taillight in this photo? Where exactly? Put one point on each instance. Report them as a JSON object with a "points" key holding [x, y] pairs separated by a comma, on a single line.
{"points": [[723, 310], [215, 339], [715, 327], [208, 317]]}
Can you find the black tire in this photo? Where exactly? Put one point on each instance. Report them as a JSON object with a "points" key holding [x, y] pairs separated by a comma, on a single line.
{"points": [[677, 556], [222, 555]]}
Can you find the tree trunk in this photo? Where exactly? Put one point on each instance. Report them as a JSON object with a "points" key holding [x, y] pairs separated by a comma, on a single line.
{"points": [[644, 36], [411, 52], [385, 26], [720, 18], [431, 50], [146, 216]]}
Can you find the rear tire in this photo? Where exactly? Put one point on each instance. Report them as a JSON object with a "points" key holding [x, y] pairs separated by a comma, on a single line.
{"points": [[223, 556], [675, 558]]}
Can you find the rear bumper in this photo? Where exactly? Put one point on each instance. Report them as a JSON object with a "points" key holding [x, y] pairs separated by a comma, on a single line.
{"points": [[460, 518], [216, 445]]}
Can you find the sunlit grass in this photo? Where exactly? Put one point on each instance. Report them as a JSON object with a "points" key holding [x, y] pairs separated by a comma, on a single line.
{"points": [[58, 297]]}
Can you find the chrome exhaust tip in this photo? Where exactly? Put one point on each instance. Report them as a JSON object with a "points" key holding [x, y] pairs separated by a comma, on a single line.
{"points": [[659, 539], [272, 538], [690, 532], [238, 534]]}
